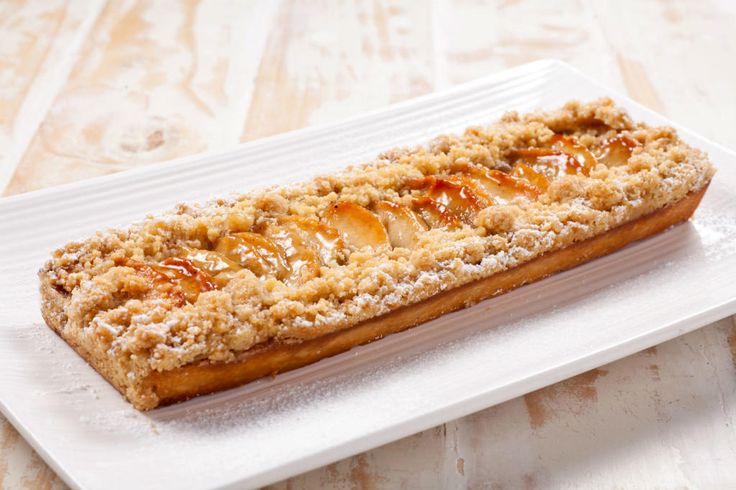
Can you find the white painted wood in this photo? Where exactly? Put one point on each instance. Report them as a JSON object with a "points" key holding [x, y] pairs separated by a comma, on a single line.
{"points": [[662, 418], [154, 81], [40, 42]]}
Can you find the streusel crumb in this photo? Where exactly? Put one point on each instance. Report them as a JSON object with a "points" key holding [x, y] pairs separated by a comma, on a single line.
{"points": [[115, 305]]}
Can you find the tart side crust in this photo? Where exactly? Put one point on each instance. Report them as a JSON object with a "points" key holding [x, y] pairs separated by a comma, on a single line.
{"points": [[53, 304], [103, 294], [163, 388]]}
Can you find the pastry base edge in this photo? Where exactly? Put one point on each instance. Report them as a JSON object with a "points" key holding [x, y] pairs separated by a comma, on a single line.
{"points": [[165, 388]]}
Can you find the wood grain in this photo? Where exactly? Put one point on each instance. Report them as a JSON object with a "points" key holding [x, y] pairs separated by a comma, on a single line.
{"points": [[154, 81], [39, 40], [96, 87], [319, 68], [677, 58], [20, 466], [479, 37], [650, 420]]}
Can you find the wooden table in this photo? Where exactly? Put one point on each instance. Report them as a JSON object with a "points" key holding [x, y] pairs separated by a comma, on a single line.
{"points": [[89, 87]]}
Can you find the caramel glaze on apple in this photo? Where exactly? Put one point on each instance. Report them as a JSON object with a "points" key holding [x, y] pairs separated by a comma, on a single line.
{"points": [[294, 248]]}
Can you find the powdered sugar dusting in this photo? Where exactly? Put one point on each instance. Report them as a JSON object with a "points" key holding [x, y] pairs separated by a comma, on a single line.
{"points": [[717, 232], [107, 299]]}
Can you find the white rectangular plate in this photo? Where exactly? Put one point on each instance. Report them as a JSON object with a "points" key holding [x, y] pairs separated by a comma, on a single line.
{"points": [[271, 429]]}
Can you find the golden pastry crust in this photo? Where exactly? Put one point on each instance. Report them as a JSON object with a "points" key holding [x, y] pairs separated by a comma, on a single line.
{"points": [[98, 299]]}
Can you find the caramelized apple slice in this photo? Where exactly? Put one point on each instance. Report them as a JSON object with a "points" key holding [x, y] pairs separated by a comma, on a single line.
{"points": [[219, 267], [474, 185], [402, 224], [457, 198], [567, 155], [547, 162], [434, 213], [303, 261], [536, 179], [584, 159], [191, 279], [356, 225], [176, 278], [502, 186], [617, 151], [254, 252], [324, 240], [447, 187]]}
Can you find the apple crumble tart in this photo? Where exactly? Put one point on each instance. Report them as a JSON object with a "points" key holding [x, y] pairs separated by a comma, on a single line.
{"points": [[211, 296]]}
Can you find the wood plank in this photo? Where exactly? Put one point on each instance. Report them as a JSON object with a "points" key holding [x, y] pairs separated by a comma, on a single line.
{"points": [[678, 57], [480, 37], [663, 417], [20, 466], [40, 40], [155, 81], [319, 68]]}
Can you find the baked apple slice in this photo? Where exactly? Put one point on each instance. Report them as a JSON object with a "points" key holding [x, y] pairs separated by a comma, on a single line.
{"points": [[584, 161], [357, 226], [457, 198], [191, 279], [523, 171], [176, 278], [434, 213], [547, 162], [219, 267], [254, 252], [500, 186], [402, 224], [566, 156], [323, 239], [617, 151], [304, 263], [462, 178]]}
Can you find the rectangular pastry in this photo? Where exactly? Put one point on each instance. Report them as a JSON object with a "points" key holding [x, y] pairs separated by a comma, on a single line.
{"points": [[212, 296]]}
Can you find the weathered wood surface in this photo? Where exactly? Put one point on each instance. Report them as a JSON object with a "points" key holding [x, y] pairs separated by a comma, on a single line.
{"points": [[93, 87]]}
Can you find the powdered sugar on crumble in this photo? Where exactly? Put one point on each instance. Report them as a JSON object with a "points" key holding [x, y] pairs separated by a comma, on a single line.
{"points": [[110, 310]]}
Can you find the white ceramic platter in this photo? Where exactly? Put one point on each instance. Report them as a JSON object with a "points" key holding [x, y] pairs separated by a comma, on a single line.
{"points": [[638, 297]]}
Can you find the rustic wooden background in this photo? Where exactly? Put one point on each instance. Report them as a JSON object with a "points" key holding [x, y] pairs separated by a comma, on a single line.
{"points": [[89, 87]]}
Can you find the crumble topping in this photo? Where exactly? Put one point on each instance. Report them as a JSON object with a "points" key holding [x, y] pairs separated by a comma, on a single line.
{"points": [[344, 266]]}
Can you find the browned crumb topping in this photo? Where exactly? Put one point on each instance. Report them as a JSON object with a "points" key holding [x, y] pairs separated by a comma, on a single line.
{"points": [[206, 282]]}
